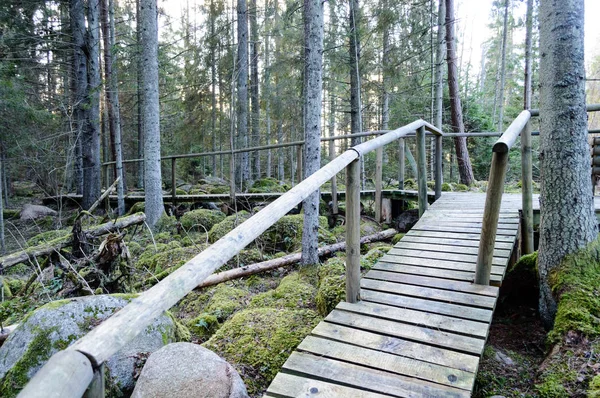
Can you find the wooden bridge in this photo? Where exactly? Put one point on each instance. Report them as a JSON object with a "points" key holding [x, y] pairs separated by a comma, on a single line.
{"points": [[421, 325]]}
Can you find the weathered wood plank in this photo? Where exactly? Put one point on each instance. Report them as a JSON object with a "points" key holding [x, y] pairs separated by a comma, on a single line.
{"points": [[445, 284], [434, 263], [419, 318], [465, 224], [448, 248], [436, 307], [457, 235], [433, 272], [433, 337], [469, 230], [290, 386], [467, 258], [451, 242], [465, 218], [387, 362], [430, 293], [362, 377], [394, 345]]}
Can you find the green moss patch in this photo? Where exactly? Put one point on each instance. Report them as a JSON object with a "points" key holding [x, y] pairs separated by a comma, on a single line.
{"points": [[268, 185], [332, 285], [292, 292], [201, 219], [224, 227], [48, 237], [258, 341]]}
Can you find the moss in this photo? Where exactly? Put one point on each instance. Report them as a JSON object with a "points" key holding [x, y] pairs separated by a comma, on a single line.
{"points": [[180, 332], [165, 256], [179, 191], [461, 187], [552, 386], [10, 213], [225, 301], [267, 185], [368, 227], [409, 183], [431, 184], [204, 325], [201, 219], [166, 224], [245, 257], [48, 237], [220, 189], [258, 341], [221, 229], [135, 249], [527, 263], [446, 187], [332, 285], [369, 260], [594, 387], [292, 292], [137, 207], [575, 283], [286, 234], [397, 238]]}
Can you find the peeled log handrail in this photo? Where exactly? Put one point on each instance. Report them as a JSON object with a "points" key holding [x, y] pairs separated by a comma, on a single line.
{"points": [[111, 335], [493, 198]]}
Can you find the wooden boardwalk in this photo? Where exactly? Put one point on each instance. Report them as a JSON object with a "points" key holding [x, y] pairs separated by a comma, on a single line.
{"points": [[421, 326]]}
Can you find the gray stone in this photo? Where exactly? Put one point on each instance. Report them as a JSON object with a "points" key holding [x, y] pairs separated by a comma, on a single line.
{"points": [[186, 370], [58, 324], [503, 358], [32, 212]]}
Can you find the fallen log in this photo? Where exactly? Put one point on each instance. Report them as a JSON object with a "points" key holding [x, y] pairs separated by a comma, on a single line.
{"points": [[45, 249], [5, 331], [290, 259]]}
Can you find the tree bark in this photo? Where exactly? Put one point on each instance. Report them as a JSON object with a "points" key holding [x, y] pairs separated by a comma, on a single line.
{"points": [[151, 111], [439, 67], [528, 51], [140, 98], [256, 169], [465, 169], [91, 138], [568, 221], [313, 63], [355, 105], [267, 88], [242, 90], [213, 84], [503, 67]]}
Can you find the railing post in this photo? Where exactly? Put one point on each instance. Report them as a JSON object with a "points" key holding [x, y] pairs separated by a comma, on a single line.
{"points": [[353, 231], [438, 167], [299, 156], [378, 182], [401, 162], [232, 179], [334, 198], [421, 170], [97, 387], [173, 182], [527, 190], [491, 214]]}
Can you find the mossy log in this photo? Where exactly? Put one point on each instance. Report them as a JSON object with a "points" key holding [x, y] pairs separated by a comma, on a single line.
{"points": [[57, 244], [290, 259]]}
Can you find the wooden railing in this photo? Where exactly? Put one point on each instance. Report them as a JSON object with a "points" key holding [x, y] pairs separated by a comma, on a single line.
{"points": [[79, 368]]}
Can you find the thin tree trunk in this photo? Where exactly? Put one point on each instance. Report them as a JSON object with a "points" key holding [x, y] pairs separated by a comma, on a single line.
{"points": [[242, 90], [151, 112], [313, 62], [267, 89], [91, 138], [439, 67], [528, 51], [566, 204], [213, 75], [460, 143], [355, 105], [79, 87], [503, 67], [256, 169], [140, 99]]}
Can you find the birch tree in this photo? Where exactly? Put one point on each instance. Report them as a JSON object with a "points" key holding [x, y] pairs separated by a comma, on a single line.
{"points": [[567, 214], [313, 62], [151, 111]]}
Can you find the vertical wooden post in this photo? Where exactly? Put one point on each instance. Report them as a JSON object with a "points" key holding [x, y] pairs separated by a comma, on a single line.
{"points": [[353, 231], [527, 190], [299, 171], [378, 182], [421, 170], [334, 198], [438, 167], [173, 182], [401, 162], [96, 388], [232, 179], [491, 213]]}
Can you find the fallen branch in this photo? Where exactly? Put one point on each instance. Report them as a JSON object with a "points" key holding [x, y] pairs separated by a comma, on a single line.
{"points": [[5, 331], [290, 259], [45, 249]]}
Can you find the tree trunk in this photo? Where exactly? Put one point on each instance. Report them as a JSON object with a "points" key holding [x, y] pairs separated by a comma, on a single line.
{"points": [[267, 88], [355, 105], [439, 67], [313, 62], [528, 51], [91, 138], [503, 68], [79, 87], [151, 111], [112, 97], [213, 84], [256, 172], [460, 143], [568, 221], [140, 99], [242, 90]]}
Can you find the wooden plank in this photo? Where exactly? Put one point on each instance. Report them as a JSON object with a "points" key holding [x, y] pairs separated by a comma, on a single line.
{"points": [[358, 376], [433, 272], [457, 235], [449, 248], [465, 218], [387, 362], [433, 337], [469, 230], [453, 242], [394, 345], [445, 284], [432, 255], [464, 224], [430, 293], [436, 307], [419, 318], [434, 263], [290, 386]]}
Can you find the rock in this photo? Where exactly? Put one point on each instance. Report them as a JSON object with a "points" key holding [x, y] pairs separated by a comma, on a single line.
{"points": [[407, 220], [32, 212], [188, 370], [56, 325], [503, 358]]}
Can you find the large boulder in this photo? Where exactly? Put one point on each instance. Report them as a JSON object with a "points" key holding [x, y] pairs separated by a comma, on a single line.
{"points": [[33, 212], [188, 370], [58, 324]]}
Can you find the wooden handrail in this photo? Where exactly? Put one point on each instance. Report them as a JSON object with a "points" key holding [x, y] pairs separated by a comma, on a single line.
{"points": [[111, 335]]}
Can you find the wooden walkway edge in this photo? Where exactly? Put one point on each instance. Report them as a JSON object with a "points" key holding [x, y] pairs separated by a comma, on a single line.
{"points": [[421, 326]]}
